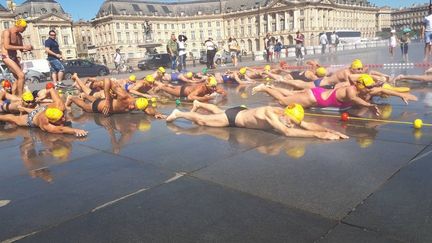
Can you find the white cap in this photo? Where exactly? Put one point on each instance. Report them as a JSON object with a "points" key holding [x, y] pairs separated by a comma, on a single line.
{"points": [[393, 31]]}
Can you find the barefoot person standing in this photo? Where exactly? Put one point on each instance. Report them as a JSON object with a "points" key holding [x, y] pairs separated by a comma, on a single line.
{"points": [[12, 42]]}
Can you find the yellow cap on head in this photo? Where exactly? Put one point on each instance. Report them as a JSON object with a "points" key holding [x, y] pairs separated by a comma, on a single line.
{"points": [[141, 103], [321, 72], [189, 74], [61, 152], [144, 126], [27, 96], [212, 82], [267, 68], [356, 64], [161, 69], [365, 80], [295, 112], [242, 71], [296, 152], [132, 78], [149, 78], [21, 23], [53, 114]]}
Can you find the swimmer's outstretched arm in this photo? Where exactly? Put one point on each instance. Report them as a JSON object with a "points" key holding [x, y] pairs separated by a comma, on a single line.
{"points": [[404, 96], [135, 91], [315, 127], [63, 130]]}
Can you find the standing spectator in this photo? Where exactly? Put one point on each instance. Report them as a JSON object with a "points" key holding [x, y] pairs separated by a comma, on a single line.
{"points": [[211, 52], [277, 50], [323, 42], [234, 49], [54, 57], [404, 41], [182, 52], [426, 31], [266, 41], [334, 41], [117, 60], [172, 49], [270, 46], [392, 42], [299, 45]]}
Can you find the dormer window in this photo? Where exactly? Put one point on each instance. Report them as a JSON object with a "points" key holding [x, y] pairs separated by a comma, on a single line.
{"points": [[44, 11], [54, 10]]}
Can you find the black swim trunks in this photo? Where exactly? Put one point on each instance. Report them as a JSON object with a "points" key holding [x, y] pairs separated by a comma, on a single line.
{"points": [[231, 114], [95, 105], [182, 91], [298, 75]]}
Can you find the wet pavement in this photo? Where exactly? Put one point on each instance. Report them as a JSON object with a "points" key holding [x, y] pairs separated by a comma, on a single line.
{"points": [[136, 179]]}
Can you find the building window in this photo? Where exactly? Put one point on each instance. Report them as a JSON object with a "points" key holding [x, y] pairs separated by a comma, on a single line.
{"points": [[66, 40], [200, 24], [218, 34], [43, 38], [209, 24], [183, 26], [89, 39], [43, 10], [192, 35], [210, 33], [201, 35], [135, 26], [241, 21], [83, 38], [157, 26], [142, 26], [249, 30], [68, 52], [165, 26], [127, 26], [191, 25], [127, 36], [218, 24], [6, 25], [172, 26], [250, 20], [119, 37]]}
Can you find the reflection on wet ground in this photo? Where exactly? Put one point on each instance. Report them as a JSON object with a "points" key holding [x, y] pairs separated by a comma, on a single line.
{"points": [[192, 183]]}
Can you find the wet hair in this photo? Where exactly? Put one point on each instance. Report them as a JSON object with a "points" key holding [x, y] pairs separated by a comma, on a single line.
{"points": [[51, 31]]}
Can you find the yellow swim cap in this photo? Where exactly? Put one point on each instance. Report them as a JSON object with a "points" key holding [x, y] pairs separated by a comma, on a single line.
{"points": [[53, 114], [132, 78], [296, 152], [27, 96], [149, 78], [161, 69], [141, 103], [189, 75], [295, 112], [61, 152], [364, 81], [144, 126], [321, 72], [242, 71], [267, 68], [21, 23], [212, 82], [356, 64]]}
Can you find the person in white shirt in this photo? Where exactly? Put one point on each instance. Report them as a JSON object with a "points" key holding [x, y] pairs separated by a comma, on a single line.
{"points": [[211, 52], [182, 52], [323, 42], [426, 31], [392, 42], [117, 59], [334, 41]]}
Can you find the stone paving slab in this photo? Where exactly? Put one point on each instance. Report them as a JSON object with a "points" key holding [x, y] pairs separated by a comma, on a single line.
{"points": [[190, 210]]}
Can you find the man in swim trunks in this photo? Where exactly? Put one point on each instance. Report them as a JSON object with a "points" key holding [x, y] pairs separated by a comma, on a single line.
{"points": [[201, 92], [426, 77], [12, 42], [49, 118], [117, 100], [288, 121], [188, 77], [359, 93], [143, 87]]}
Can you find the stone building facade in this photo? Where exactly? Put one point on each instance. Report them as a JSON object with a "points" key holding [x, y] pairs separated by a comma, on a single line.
{"points": [[409, 17], [120, 24]]}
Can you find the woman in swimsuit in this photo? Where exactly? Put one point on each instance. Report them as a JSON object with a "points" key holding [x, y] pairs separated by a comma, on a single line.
{"points": [[359, 93]]}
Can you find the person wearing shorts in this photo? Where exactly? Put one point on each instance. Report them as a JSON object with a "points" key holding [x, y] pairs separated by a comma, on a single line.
{"points": [[426, 31], [54, 56]]}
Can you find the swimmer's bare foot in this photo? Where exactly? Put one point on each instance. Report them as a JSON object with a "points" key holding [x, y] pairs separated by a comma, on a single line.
{"points": [[74, 76], [173, 116], [258, 88], [397, 78], [195, 106]]}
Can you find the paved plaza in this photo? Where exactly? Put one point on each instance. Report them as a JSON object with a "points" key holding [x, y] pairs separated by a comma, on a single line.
{"points": [[136, 179]]}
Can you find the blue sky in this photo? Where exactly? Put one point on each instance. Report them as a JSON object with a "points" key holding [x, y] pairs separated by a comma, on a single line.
{"points": [[87, 9]]}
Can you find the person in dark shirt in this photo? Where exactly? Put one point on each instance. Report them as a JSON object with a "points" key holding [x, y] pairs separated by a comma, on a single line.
{"points": [[54, 57]]}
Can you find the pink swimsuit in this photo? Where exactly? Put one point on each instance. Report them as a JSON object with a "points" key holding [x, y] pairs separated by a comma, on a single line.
{"points": [[331, 101]]}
